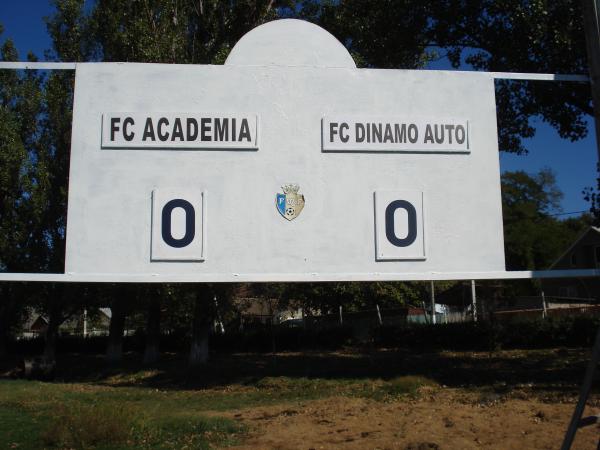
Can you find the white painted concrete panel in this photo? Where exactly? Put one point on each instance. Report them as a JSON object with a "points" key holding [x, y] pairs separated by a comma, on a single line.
{"points": [[289, 42], [335, 232]]}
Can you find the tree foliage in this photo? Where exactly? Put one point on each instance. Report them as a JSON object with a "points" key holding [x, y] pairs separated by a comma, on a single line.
{"points": [[166, 31], [537, 36], [20, 105], [533, 236]]}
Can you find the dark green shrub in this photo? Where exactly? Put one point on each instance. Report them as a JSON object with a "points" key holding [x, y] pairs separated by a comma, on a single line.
{"points": [[573, 331]]}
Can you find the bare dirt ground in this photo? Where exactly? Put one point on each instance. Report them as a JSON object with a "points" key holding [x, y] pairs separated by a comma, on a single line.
{"points": [[437, 419]]}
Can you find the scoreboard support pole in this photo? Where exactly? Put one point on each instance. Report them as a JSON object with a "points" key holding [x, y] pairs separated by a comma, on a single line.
{"points": [[294, 277], [432, 294], [591, 23], [576, 420], [474, 300]]}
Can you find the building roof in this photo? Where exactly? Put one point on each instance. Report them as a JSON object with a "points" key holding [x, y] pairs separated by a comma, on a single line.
{"points": [[575, 242]]}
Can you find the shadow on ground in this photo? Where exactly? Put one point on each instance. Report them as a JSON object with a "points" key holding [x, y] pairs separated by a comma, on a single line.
{"points": [[558, 370]]}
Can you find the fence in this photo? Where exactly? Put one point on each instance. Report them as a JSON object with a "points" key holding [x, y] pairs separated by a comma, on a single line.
{"points": [[541, 306]]}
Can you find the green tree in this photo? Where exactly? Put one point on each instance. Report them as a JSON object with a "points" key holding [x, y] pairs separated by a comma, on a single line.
{"points": [[537, 36], [166, 31], [51, 169], [20, 104], [533, 237], [326, 298]]}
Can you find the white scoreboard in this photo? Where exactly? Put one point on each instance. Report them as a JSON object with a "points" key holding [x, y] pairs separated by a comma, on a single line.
{"points": [[286, 163]]}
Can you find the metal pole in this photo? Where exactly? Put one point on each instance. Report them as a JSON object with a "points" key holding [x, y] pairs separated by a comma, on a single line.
{"points": [[341, 319], [474, 300], [591, 22], [583, 395], [379, 314], [591, 19], [545, 314], [432, 303], [220, 321], [85, 323]]}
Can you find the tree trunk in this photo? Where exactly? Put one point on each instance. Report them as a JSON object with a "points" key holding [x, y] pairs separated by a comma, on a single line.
{"points": [[54, 322], [4, 295], [200, 329], [55, 319], [152, 352], [114, 350], [3, 350]]}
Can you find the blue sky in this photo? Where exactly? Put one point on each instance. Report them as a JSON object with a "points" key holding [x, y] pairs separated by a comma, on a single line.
{"points": [[573, 163], [23, 22]]}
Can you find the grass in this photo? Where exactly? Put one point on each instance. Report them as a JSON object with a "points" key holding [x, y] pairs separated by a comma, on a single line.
{"points": [[85, 426], [90, 416], [37, 415], [313, 388], [18, 427]]}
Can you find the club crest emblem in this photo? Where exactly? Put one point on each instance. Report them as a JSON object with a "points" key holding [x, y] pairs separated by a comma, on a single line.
{"points": [[290, 203]]}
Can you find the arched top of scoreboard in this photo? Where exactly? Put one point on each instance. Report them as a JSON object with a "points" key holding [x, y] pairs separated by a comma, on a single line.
{"points": [[290, 42]]}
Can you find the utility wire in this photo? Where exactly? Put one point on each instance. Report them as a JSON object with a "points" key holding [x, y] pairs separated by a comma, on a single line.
{"points": [[568, 213]]}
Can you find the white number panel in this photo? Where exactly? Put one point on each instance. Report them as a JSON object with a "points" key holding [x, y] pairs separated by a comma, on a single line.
{"points": [[399, 225], [178, 225]]}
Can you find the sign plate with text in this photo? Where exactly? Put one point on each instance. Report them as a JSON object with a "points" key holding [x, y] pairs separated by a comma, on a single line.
{"points": [[180, 131], [395, 134]]}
